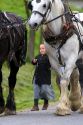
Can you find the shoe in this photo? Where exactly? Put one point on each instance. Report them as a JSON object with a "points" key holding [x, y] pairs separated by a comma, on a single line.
{"points": [[45, 106], [35, 108]]}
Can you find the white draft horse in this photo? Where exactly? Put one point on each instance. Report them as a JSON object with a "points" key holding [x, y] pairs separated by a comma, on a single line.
{"points": [[63, 35]]}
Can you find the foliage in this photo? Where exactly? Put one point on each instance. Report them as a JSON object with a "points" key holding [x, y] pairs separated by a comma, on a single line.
{"points": [[76, 8], [13, 6]]}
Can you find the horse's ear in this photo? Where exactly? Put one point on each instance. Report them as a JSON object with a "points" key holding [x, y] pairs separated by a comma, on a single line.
{"points": [[30, 5], [50, 4]]}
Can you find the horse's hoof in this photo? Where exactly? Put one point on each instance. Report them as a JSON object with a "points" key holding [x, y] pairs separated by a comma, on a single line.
{"points": [[1, 110], [75, 107], [9, 112], [63, 110], [81, 109]]}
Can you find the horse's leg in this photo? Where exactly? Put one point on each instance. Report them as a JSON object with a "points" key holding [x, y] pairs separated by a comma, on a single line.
{"points": [[58, 82], [81, 107], [2, 103], [75, 90], [10, 105], [63, 108]]}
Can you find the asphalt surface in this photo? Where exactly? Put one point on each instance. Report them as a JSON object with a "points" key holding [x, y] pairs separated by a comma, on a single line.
{"points": [[42, 118]]}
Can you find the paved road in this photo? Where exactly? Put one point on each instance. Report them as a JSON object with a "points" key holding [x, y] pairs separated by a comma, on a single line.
{"points": [[42, 118]]}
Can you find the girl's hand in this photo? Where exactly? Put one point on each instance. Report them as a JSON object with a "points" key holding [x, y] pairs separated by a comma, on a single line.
{"points": [[34, 60]]}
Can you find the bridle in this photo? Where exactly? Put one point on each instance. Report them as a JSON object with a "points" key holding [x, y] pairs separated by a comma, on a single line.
{"points": [[46, 13], [44, 22]]}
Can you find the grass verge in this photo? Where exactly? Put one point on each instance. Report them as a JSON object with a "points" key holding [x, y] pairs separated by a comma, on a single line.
{"points": [[24, 86]]}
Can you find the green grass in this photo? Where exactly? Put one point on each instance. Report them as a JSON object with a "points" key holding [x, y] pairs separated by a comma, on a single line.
{"points": [[24, 87], [76, 8], [15, 6]]}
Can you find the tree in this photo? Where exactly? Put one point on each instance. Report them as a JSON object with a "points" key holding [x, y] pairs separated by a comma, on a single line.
{"points": [[31, 35]]}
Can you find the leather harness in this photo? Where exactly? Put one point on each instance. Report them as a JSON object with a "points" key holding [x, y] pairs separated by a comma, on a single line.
{"points": [[67, 31]]}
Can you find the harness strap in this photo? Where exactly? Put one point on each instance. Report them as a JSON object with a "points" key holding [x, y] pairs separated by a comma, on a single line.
{"points": [[67, 9], [62, 38], [68, 35], [59, 55], [80, 42]]}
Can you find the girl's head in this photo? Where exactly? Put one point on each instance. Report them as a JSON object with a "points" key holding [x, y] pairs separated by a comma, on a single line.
{"points": [[42, 49]]}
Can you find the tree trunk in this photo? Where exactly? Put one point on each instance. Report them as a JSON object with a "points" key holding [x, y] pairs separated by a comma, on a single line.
{"points": [[41, 36], [31, 36], [31, 45]]}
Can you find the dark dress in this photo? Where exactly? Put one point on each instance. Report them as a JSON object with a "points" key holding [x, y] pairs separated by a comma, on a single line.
{"points": [[42, 72], [42, 78]]}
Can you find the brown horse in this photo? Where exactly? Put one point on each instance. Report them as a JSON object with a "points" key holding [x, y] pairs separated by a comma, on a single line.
{"points": [[12, 48]]}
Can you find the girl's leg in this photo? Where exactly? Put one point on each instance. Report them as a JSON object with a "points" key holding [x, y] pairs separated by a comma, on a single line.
{"points": [[35, 107], [36, 97], [45, 106]]}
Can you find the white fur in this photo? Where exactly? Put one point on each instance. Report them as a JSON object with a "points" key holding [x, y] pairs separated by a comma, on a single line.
{"points": [[80, 16]]}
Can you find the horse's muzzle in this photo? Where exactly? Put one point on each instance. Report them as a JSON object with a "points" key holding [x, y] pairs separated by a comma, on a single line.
{"points": [[33, 25]]}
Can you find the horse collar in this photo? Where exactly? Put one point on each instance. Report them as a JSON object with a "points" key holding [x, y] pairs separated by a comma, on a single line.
{"points": [[60, 39]]}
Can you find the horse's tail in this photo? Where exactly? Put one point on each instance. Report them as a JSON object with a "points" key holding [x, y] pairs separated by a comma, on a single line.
{"points": [[24, 47]]}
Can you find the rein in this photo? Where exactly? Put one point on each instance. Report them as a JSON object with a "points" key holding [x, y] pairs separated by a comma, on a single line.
{"points": [[57, 17]]}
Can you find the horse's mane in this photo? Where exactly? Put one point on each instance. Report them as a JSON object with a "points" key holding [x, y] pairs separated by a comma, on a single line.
{"points": [[9, 18]]}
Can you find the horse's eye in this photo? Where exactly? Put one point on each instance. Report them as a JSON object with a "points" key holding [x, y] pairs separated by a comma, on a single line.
{"points": [[44, 6]]}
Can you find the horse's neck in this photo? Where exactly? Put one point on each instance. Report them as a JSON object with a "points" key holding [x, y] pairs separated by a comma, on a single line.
{"points": [[56, 10]]}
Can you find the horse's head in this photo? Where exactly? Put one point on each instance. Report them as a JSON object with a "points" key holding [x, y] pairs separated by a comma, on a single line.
{"points": [[40, 10]]}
